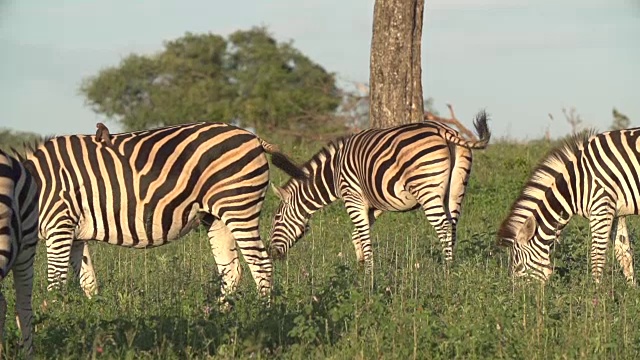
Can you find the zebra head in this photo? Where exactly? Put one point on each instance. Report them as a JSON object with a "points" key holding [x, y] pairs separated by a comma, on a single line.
{"points": [[290, 223], [530, 253]]}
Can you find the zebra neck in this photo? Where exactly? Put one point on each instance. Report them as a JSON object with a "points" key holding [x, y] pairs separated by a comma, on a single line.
{"points": [[313, 195], [550, 220], [319, 189]]}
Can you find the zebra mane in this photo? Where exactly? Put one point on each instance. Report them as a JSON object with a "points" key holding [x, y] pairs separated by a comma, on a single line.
{"points": [[28, 148], [542, 177], [321, 156]]}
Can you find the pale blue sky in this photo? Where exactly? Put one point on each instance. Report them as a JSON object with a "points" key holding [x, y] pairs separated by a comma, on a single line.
{"points": [[521, 59]]}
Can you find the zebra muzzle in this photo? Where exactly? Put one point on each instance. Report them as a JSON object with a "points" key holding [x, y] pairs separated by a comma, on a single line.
{"points": [[277, 252]]}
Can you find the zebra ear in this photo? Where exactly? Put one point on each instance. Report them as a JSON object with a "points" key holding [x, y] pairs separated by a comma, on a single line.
{"points": [[527, 231], [281, 193]]}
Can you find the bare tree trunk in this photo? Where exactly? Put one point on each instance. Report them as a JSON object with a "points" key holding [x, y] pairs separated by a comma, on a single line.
{"points": [[396, 74]]}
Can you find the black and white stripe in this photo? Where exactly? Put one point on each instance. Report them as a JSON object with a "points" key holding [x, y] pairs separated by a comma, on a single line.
{"points": [[592, 175], [146, 188], [18, 239], [399, 168]]}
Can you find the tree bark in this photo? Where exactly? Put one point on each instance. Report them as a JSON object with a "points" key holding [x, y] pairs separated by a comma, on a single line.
{"points": [[396, 75]]}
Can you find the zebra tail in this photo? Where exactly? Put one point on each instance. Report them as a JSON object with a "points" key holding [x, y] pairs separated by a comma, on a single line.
{"points": [[482, 129], [282, 161]]}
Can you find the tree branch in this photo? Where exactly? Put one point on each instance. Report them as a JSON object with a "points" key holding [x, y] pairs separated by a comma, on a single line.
{"points": [[452, 120]]}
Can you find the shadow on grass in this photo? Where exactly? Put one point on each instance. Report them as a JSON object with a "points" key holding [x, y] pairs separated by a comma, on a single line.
{"points": [[249, 329]]}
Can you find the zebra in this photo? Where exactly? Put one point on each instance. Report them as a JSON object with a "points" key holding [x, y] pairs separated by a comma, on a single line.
{"points": [[399, 168], [591, 175], [18, 239], [147, 188]]}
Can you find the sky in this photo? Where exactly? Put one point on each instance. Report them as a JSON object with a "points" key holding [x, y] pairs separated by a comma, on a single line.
{"points": [[518, 59]]}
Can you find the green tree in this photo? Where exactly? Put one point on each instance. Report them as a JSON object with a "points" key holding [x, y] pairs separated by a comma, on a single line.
{"points": [[16, 139], [248, 78], [620, 120], [278, 87]]}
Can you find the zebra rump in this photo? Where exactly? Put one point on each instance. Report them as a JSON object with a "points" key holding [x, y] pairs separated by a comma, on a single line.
{"points": [[18, 239]]}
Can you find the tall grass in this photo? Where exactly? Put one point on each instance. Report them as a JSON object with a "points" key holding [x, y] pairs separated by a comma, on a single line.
{"points": [[160, 303]]}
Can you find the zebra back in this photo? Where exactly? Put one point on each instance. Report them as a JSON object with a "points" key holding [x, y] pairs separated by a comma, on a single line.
{"points": [[145, 187]]}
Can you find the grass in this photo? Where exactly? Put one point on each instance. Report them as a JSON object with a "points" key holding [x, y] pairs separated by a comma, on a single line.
{"points": [[160, 303]]}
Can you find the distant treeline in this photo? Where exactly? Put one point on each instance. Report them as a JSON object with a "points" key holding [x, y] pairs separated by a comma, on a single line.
{"points": [[16, 139]]}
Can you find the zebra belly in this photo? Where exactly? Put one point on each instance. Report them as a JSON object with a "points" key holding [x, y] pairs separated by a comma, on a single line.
{"points": [[142, 234], [398, 201]]}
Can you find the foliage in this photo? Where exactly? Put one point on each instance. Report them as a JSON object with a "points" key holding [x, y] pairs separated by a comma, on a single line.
{"points": [[248, 78], [620, 120], [160, 303], [16, 139]]}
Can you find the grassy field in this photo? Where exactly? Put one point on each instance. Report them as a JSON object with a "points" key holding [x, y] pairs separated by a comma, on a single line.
{"points": [[160, 303]]}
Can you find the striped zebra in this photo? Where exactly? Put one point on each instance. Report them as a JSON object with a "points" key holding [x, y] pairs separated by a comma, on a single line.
{"points": [[146, 188], [399, 168], [18, 239], [592, 175]]}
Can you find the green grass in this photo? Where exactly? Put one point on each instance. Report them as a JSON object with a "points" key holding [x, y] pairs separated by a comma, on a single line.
{"points": [[160, 303]]}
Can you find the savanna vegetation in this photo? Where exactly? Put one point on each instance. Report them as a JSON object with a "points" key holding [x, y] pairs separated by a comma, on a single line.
{"points": [[247, 78], [161, 303]]}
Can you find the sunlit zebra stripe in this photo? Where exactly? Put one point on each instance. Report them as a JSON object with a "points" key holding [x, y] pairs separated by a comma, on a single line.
{"points": [[18, 239], [146, 188], [399, 168], [591, 175]]}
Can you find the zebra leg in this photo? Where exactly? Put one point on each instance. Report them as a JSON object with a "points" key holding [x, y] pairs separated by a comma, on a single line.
{"points": [[433, 207], [360, 216], [253, 251], [223, 246], [58, 253], [357, 244], [600, 223], [355, 239], [458, 187], [23, 284], [622, 246], [83, 268]]}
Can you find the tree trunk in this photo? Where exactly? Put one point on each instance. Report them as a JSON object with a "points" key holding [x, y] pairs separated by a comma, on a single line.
{"points": [[396, 76]]}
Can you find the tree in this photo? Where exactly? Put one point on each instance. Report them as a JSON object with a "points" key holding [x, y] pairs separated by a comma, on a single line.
{"points": [[16, 139], [620, 120], [356, 105], [277, 86], [247, 79], [396, 74]]}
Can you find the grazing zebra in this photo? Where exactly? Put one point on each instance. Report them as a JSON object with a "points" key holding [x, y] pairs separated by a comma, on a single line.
{"points": [[18, 239], [147, 188], [592, 175], [399, 168]]}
